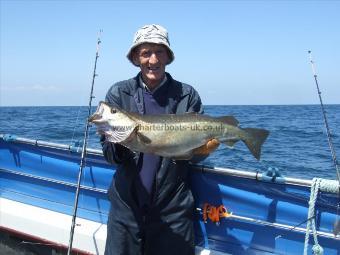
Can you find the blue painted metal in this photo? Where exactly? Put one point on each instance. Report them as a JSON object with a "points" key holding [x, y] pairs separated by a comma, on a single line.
{"points": [[46, 177], [270, 202], [273, 175], [9, 137]]}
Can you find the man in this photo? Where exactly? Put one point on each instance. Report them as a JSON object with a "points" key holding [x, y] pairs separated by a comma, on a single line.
{"points": [[151, 203]]}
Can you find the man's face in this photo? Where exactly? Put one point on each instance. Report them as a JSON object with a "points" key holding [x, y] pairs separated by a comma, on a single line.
{"points": [[152, 59]]}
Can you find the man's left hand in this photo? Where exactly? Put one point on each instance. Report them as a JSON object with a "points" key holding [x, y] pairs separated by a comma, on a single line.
{"points": [[207, 148]]}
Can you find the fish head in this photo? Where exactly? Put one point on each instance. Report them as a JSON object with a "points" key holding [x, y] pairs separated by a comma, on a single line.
{"points": [[109, 117], [103, 113]]}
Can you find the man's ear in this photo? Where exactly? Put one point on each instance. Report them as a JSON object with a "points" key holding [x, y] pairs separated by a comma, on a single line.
{"points": [[135, 57]]}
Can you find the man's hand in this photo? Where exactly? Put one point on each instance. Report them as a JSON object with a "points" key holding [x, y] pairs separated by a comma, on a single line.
{"points": [[207, 148]]}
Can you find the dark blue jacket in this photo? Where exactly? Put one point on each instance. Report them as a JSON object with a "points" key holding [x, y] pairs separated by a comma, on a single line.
{"points": [[172, 201]]}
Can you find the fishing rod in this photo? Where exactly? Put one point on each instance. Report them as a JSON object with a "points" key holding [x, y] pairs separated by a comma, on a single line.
{"points": [[330, 143], [329, 136], [83, 152]]}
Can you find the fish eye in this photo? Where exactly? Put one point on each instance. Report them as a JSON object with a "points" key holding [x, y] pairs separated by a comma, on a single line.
{"points": [[113, 110]]}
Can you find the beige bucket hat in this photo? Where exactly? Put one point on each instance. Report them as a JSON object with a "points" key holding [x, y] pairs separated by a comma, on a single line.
{"points": [[151, 34]]}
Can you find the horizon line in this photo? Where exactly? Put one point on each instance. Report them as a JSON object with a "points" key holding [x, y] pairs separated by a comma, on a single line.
{"points": [[203, 105]]}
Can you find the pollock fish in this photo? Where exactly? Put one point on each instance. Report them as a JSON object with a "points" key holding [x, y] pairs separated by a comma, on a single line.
{"points": [[172, 135]]}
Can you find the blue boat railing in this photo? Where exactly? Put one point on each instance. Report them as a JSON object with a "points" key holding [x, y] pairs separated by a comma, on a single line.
{"points": [[217, 170]]}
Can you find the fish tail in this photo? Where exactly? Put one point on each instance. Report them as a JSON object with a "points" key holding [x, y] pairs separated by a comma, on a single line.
{"points": [[254, 139]]}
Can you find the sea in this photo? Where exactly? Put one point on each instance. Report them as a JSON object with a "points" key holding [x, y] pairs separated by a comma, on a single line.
{"points": [[297, 145]]}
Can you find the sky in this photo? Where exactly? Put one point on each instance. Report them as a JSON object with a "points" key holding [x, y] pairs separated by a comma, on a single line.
{"points": [[232, 52]]}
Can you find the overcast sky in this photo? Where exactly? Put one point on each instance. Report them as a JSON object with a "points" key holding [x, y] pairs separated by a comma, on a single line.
{"points": [[232, 52]]}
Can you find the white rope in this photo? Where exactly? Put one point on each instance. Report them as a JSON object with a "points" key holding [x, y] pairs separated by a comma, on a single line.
{"points": [[331, 186], [317, 249]]}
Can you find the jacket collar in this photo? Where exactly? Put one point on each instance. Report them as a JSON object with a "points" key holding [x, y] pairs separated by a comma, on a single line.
{"points": [[155, 89], [172, 87]]}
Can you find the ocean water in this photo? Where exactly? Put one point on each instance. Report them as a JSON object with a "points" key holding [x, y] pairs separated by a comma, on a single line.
{"points": [[297, 144]]}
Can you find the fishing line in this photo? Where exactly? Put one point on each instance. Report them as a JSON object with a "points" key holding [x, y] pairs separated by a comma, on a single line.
{"points": [[75, 127], [329, 142], [83, 152], [42, 244], [329, 136], [294, 227]]}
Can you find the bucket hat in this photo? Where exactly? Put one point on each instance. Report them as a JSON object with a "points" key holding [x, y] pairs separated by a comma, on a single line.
{"points": [[151, 34]]}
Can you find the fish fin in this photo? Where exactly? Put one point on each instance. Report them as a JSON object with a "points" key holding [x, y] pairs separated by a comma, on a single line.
{"points": [[254, 140], [230, 143], [118, 134], [231, 120], [186, 156], [144, 139]]}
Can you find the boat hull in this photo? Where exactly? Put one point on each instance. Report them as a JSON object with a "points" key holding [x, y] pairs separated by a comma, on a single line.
{"points": [[38, 183]]}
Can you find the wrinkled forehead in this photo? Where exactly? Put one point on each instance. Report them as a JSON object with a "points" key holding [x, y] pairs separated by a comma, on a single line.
{"points": [[150, 46]]}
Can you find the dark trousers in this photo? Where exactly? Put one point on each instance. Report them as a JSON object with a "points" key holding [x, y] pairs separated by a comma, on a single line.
{"points": [[129, 232]]}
